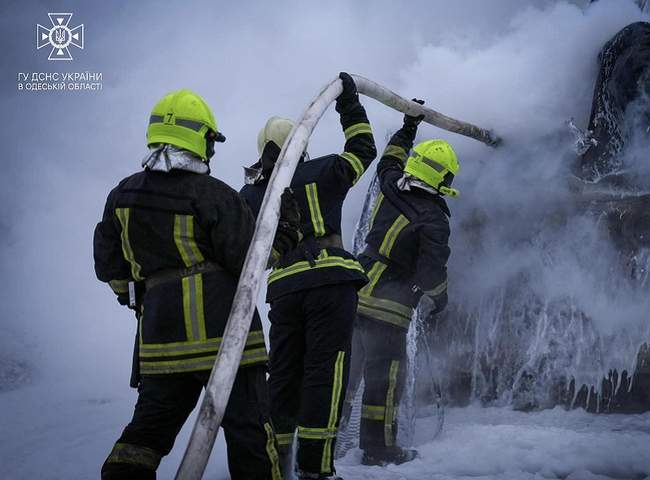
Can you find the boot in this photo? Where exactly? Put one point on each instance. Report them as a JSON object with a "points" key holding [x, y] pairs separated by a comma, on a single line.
{"points": [[386, 455]]}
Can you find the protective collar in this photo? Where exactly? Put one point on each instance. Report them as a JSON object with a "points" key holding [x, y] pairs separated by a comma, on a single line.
{"points": [[409, 181], [164, 157]]}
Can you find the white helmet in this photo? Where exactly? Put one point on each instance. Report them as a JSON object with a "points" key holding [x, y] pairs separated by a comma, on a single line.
{"points": [[276, 130]]}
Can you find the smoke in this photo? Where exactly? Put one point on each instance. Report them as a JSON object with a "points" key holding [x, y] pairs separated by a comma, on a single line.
{"points": [[520, 67], [531, 259]]}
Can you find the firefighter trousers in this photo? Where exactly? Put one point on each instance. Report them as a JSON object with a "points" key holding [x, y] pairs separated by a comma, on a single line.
{"points": [[310, 339], [165, 402], [379, 357]]}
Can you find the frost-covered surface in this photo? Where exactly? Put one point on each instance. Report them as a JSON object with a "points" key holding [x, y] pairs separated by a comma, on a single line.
{"points": [[494, 443], [49, 434]]}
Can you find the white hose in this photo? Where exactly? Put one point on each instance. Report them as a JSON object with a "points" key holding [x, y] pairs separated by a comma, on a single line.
{"points": [[226, 364]]}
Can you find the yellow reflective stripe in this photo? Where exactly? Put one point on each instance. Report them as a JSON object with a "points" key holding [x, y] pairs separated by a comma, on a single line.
{"points": [[391, 236], [272, 453], [120, 286], [356, 165], [337, 387], [303, 266], [395, 307], [275, 257], [373, 276], [249, 357], [193, 313], [357, 129], [255, 337], [315, 433], [255, 355], [284, 439], [311, 189], [373, 412], [437, 290], [177, 366], [385, 310], [375, 209], [135, 455], [395, 151], [390, 404], [123, 215], [185, 241]]}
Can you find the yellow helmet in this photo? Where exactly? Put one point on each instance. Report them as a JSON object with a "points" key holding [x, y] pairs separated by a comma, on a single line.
{"points": [[435, 163], [276, 130], [183, 119]]}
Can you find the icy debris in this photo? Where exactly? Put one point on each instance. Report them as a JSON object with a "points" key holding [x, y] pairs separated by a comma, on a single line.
{"points": [[583, 139]]}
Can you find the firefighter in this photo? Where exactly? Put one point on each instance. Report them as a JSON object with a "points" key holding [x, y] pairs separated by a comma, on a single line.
{"points": [[405, 258], [313, 290], [171, 244]]}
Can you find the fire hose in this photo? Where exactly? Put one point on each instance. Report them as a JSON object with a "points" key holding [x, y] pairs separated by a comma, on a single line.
{"points": [[217, 391]]}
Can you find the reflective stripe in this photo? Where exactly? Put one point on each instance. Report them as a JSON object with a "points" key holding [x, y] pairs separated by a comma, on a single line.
{"points": [[395, 151], [123, 215], [275, 257], [373, 412], [178, 366], [314, 209], [356, 165], [374, 274], [191, 124], [256, 355], [187, 348], [391, 236], [434, 292], [337, 388], [193, 307], [375, 209], [284, 439], [272, 453], [385, 310], [249, 357], [185, 241], [134, 455], [357, 129], [120, 286], [303, 266], [390, 404], [315, 433]]}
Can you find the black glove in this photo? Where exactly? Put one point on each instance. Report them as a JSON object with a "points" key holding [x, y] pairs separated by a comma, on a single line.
{"points": [[125, 298], [289, 232], [411, 122], [349, 94]]}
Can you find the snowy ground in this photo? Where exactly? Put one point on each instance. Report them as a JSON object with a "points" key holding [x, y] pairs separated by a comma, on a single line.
{"points": [[49, 435]]}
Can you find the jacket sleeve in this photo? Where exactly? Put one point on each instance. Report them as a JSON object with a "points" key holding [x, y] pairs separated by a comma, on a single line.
{"points": [[433, 253], [394, 157], [110, 265], [359, 150]]}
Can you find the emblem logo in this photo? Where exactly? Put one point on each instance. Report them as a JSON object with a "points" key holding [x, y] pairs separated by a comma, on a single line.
{"points": [[60, 36]]}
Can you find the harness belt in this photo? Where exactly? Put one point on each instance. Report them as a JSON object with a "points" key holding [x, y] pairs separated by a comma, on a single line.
{"points": [[170, 274]]}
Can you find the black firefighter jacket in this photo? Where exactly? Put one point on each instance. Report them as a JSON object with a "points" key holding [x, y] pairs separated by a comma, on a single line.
{"points": [[407, 246], [320, 187], [157, 222]]}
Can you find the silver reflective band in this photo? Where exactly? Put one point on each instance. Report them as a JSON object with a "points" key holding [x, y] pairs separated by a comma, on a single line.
{"points": [[191, 124]]}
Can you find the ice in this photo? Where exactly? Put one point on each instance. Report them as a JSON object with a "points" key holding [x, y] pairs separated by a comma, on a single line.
{"points": [[498, 443], [58, 433]]}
